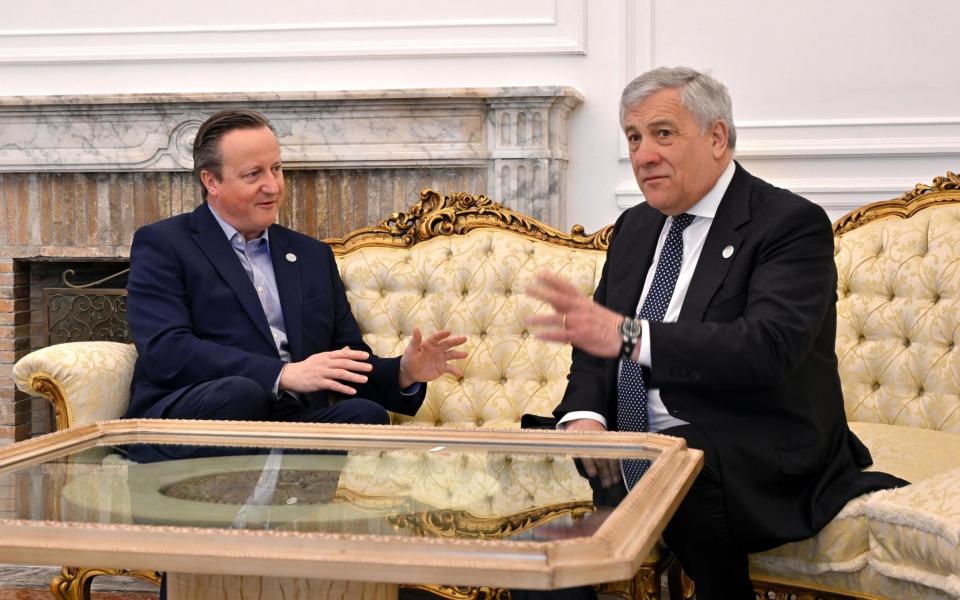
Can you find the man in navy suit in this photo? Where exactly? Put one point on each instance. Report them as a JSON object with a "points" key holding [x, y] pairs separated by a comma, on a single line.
{"points": [[715, 321], [235, 317]]}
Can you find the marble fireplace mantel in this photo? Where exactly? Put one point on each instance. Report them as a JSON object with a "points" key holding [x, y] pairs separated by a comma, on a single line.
{"points": [[517, 134]]}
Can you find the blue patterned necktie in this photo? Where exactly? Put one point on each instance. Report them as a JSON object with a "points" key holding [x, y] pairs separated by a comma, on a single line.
{"points": [[631, 385]]}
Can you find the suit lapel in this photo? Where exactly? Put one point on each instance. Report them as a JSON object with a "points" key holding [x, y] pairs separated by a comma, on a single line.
{"points": [[286, 268], [214, 244], [636, 243], [713, 267]]}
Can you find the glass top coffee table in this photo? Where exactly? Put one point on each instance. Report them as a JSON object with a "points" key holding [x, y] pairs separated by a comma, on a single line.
{"points": [[317, 510]]}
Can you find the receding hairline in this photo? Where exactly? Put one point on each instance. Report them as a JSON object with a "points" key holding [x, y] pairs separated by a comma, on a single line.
{"points": [[221, 140], [659, 119]]}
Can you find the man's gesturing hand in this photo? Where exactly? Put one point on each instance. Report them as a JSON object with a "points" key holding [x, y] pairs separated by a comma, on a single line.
{"points": [[427, 359], [325, 371], [578, 320]]}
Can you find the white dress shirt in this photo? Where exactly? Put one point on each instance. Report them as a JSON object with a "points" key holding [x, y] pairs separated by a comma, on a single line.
{"points": [[694, 237]]}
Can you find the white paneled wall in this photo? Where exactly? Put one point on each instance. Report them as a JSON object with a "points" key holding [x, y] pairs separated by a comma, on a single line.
{"points": [[843, 102]]}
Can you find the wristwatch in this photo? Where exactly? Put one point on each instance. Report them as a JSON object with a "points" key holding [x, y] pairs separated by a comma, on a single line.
{"points": [[630, 331]]}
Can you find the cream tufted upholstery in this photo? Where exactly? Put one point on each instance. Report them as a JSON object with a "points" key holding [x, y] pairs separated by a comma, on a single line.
{"points": [[898, 322], [473, 285]]}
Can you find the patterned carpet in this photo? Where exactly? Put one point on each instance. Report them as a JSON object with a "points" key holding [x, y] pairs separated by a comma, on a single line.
{"points": [[18, 582]]}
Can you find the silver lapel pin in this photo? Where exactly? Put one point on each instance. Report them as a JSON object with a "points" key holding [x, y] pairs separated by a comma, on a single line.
{"points": [[727, 252], [293, 257]]}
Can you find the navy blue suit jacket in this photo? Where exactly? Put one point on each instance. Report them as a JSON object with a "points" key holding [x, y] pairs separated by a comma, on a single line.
{"points": [[195, 316]]}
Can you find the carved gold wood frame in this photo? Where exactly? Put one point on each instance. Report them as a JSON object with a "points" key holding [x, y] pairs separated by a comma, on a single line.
{"points": [[770, 588], [46, 386], [613, 552], [74, 583], [943, 190], [438, 215]]}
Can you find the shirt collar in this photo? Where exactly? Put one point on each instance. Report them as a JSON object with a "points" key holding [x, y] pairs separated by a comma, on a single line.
{"points": [[707, 206], [231, 232]]}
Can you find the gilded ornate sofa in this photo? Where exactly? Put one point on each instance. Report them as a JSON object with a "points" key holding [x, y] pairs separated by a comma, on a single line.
{"points": [[458, 262], [462, 262], [898, 323]]}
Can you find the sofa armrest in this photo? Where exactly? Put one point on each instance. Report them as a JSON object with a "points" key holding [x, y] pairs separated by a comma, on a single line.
{"points": [[86, 381]]}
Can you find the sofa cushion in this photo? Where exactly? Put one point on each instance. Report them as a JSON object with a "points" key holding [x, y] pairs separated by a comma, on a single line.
{"points": [[844, 545], [915, 532], [472, 284], [910, 453]]}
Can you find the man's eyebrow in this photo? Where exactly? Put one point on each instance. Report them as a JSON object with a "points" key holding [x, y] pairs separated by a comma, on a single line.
{"points": [[662, 122]]}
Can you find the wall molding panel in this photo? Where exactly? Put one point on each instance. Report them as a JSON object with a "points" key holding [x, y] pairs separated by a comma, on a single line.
{"points": [[540, 27], [837, 196], [845, 138], [849, 138]]}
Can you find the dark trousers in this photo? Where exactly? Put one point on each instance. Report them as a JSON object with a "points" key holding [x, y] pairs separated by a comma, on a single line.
{"points": [[242, 399], [699, 533]]}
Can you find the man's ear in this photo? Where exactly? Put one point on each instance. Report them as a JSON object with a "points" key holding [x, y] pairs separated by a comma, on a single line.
{"points": [[209, 181], [719, 136]]}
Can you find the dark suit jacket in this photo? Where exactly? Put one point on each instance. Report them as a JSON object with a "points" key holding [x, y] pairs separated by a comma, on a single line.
{"points": [[195, 316], [750, 360]]}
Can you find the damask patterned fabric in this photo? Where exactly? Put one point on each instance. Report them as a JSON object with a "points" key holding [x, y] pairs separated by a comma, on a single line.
{"points": [[94, 377], [473, 285], [898, 320], [915, 532]]}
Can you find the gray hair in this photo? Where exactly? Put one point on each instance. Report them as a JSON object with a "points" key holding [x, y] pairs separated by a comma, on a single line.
{"points": [[705, 97]]}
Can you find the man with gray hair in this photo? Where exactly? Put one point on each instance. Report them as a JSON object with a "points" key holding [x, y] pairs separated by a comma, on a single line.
{"points": [[715, 321]]}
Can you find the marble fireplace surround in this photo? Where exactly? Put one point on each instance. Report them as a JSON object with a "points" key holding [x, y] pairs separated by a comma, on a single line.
{"points": [[78, 175]]}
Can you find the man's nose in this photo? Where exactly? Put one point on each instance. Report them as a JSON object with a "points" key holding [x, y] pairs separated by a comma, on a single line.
{"points": [[271, 185], [645, 154]]}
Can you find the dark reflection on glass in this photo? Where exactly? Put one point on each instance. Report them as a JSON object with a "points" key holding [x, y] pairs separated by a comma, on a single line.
{"points": [[150, 453]]}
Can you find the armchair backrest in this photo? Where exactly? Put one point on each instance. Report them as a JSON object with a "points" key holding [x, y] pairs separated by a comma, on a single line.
{"points": [[898, 309]]}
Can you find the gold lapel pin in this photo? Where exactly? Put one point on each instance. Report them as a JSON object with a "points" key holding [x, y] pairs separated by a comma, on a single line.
{"points": [[727, 252], [293, 257]]}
